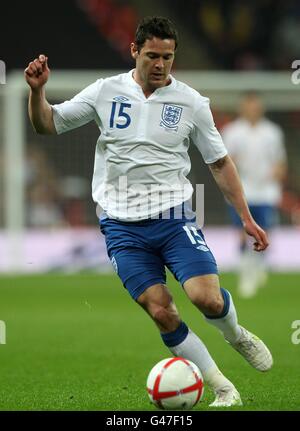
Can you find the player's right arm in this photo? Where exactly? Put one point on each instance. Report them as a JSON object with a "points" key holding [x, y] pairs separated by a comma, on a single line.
{"points": [[208, 140], [40, 111]]}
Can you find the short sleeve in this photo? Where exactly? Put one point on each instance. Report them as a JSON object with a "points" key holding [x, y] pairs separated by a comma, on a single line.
{"points": [[205, 134], [78, 111]]}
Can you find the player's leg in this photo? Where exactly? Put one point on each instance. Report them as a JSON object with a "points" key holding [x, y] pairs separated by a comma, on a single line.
{"points": [[143, 275], [252, 269], [267, 217], [182, 341], [218, 308], [246, 271], [189, 258], [215, 303]]}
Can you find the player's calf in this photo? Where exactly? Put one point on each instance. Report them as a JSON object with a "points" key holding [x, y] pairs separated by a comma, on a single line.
{"points": [[158, 303]]}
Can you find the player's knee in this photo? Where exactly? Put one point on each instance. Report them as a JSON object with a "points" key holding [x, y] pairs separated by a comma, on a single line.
{"points": [[166, 318], [214, 306], [210, 305], [159, 305], [161, 314]]}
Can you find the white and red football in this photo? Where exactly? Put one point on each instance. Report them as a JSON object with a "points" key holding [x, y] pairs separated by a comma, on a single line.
{"points": [[175, 383]]}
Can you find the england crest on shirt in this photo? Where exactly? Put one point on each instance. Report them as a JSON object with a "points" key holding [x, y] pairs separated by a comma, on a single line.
{"points": [[170, 116]]}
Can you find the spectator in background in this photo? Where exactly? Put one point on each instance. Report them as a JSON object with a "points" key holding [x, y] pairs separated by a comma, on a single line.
{"points": [[2, 200], [53, 200], [286, 36], [116, 20], [237, 34], [257, 148], [42, 191]]}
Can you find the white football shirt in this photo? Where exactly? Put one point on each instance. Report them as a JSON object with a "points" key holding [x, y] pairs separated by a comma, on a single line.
{"points": [[256, 150], [141, 158]]}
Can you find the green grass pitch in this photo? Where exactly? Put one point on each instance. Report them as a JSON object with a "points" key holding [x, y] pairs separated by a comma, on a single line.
{"points": [[78, 342]]}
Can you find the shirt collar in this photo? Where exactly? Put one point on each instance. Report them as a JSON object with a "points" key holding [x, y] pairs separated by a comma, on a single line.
{"points": [[136, 85]]}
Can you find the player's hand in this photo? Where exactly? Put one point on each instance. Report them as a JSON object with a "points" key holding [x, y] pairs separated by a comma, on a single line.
{"points": [[37, 72], [260, 236]]}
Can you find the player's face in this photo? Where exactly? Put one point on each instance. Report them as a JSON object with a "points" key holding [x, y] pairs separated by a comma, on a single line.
{"points": [[154, 62], [252, 109]]}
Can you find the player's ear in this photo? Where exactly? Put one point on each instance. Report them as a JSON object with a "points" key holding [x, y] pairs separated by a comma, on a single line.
{"points": [[134, 50]]}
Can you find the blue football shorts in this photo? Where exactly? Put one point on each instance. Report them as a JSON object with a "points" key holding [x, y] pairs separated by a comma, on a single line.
{"points": [[140, 251], [266, 216]]}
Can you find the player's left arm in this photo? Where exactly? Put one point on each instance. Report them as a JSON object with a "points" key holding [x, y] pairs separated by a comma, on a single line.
{"points": [[227, 178]]}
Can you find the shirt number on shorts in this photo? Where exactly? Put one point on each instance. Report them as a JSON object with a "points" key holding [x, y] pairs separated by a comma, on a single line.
{"points": [[121, 114], [193, 235]]}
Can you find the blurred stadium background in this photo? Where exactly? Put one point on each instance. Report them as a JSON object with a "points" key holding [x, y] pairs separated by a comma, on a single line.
{"points": [[48, 220], [45, 182]]}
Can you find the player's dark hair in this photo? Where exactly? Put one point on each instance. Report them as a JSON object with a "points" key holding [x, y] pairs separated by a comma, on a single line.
{"points": [[155, 26], [251, 94]]}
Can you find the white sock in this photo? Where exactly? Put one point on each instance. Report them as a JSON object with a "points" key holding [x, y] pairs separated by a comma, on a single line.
{"points": [[228, 324], [250, 273], [261, 269], [193, 348]]}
